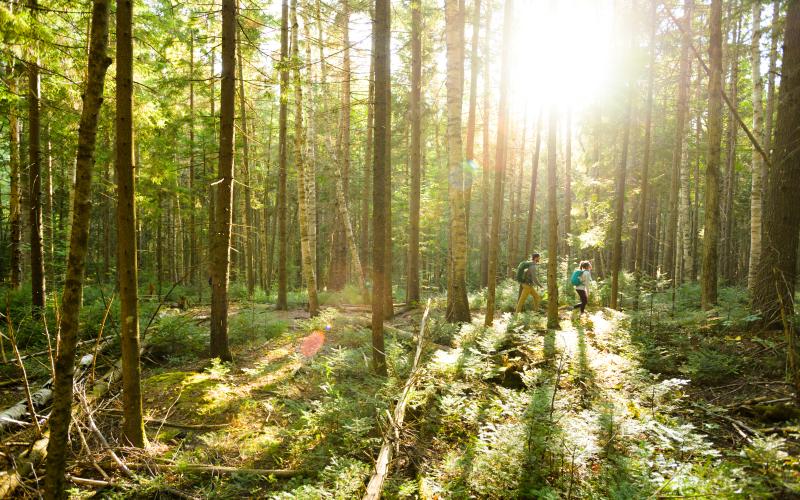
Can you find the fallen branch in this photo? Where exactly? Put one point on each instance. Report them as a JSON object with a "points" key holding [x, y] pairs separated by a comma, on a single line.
{"points": [[392, 434], [219, 469], [158, 422]]}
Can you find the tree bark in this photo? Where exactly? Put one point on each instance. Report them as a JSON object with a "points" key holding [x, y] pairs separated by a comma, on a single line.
{"points": [[485, 181], [568, 191], [619, 201], [552, 221], [534, 181], [35, 179], [457, 303], [220, 248], [708, 278], [15, 201], [474, 67], [670, 251], [249, 247], [415, 105], [55, 482], [306, 192], [381, 34], [756, 168], [644, 198], [500, 160], [778, 272], [281, 303]]}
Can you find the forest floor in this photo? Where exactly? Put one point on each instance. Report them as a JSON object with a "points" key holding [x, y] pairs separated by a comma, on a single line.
{"points": [[612, 405]]}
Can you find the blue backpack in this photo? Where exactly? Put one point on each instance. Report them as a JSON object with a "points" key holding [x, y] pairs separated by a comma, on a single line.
{"points": [[576, 277]]}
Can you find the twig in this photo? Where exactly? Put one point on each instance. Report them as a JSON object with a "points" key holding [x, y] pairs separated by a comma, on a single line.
{"points": [[375, 486], [26, 386], [125, 470], [100, 336]]}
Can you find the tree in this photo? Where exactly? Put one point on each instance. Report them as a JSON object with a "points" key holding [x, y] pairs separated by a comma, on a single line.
{"points": [[644, 197], [474, 68], [756, 168], [415, 105], [485, 178], [60, 416], [381, 33], [306, 191], [15, 202], [777, 277], [534, 182], [552, 221], [282, 303], [671, 250], [221, 239], [249, 247], [500, 160], [619, 202], [457, 303], [708, 278], [35, 178]]}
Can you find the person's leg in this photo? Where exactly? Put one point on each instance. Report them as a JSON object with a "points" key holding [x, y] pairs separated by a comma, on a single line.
{"points": [[537, 299], [578, 305], [584, 300], [523, 296]]}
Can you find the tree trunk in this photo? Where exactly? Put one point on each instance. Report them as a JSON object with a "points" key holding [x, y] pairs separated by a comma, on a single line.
{"points": [[770, 107], [55, 482], [552, 221], [500, 160], [756, 168], [619, 200], [457, 303], [670, 250], [708, 279], [35, 179], [15, 201], [534, 180], [415, 105], [306, 192], [368, 156], [644, 198], [485, 187], [474, 67], [778, 267], [568, 191], [281, 303], [193, 257], [220, 248], [249, 247], [726, 215], [381, 34]]}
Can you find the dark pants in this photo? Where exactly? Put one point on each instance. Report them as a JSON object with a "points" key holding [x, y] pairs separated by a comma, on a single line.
{"points": [[583, 302]]}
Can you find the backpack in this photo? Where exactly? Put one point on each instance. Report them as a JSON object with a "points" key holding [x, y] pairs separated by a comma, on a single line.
{"points": [[522, 269], [576, 277]]}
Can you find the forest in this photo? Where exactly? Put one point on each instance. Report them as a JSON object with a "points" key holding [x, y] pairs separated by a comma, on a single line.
{"points": [[333, 249]]}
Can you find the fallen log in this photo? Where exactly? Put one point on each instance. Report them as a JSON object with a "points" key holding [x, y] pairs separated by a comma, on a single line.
{"points": [[392, 434], [219, 469], [12, 416], [157, 422]]}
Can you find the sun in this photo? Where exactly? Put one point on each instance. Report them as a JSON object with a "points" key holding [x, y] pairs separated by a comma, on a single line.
{"points": [[562, 52]]}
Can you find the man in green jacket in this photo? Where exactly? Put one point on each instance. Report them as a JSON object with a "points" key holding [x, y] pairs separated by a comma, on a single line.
{"points": [[528, 278]]}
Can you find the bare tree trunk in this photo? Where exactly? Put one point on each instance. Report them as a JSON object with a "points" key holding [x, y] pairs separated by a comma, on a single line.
{"points": [[15, 201], [249, 247], [306, 196], [680, 137], [552, 220], [57, 447], [220, 248], [381, 33], [644, 199], [568, 191], [457, 303], [726, 215], [708, 280], [534, 180], [485, 181], [368, 157], [500, 160], [282, 303], [770, 108], [619, 200], [757, 162], [474, 67], [412, 288], [776, 284], [35, 179], [193, 257]]}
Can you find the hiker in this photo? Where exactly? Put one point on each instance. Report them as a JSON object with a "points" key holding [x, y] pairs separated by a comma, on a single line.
{"points": [[581, 280], [527, 277]]}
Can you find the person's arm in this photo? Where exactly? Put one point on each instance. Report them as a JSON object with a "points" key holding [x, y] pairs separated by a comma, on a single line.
{"points": [[586, 279], [536, 275]]}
